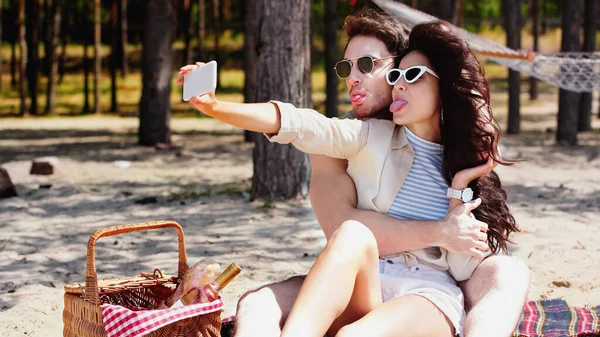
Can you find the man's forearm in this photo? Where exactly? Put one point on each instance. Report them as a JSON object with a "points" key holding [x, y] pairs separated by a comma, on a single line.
{"points": [[333, 197], [394, 235]]}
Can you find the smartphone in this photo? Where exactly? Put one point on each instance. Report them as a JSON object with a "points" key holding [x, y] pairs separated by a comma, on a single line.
{"points": [[200, 81]]}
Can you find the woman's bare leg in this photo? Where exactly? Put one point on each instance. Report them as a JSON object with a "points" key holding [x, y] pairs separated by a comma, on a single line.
{"points": [[346, 272], [406, 316]]}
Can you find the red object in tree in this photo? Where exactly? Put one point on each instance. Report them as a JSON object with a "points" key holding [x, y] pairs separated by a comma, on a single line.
{"points": [[352, 2]]}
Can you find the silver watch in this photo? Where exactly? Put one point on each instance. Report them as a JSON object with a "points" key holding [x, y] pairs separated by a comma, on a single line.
{"points": [[465, 195]]}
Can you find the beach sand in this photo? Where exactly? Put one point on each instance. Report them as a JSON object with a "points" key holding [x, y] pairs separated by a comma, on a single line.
{"points": [[554, 195]]}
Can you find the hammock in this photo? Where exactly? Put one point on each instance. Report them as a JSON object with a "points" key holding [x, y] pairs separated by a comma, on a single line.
{"points": [[579, 72]]}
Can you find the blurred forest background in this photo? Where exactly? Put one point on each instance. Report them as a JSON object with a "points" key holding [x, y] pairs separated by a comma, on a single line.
{"points": [[120, 57]]}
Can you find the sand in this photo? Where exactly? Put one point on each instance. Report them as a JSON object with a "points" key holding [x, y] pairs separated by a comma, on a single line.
{"points": [[554, 195]]}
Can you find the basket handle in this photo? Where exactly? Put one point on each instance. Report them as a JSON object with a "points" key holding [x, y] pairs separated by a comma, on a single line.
{"points": [[91, 278]]}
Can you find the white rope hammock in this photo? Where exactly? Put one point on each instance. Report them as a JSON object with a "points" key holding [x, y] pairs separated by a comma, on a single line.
{"points": [[578, 72]]}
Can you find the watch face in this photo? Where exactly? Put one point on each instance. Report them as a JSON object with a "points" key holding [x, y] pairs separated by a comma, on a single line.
{"points": [[467, 195]]}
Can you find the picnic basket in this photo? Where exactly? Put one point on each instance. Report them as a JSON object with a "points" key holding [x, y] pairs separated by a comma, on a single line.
{"points": [[82, 315]]}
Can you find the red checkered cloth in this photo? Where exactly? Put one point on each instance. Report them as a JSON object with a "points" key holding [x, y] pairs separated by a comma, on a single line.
{"points": [[120, 321], [554, 318]]}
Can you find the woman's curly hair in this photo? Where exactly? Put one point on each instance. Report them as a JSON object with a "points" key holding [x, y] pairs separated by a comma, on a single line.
{"points": [[470, 134]]}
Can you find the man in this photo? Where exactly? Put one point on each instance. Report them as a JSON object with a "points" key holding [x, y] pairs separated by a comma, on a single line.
{"points": [[495, 294]]}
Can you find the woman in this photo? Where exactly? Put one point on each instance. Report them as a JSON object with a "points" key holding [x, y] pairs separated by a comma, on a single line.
{"points": [[442, 135]]}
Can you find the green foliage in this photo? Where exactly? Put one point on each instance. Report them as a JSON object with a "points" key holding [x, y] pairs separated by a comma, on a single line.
{"points": [[482, 9], [552, 8]]}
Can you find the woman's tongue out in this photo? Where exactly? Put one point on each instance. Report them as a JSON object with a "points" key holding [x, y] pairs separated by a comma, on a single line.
{"points": [[397, 105]]}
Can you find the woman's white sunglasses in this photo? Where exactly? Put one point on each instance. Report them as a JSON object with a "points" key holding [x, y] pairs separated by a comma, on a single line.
{"points": [[411, 74]]}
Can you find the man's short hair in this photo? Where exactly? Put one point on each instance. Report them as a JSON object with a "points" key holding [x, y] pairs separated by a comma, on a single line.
{"points": [[380, 25]]}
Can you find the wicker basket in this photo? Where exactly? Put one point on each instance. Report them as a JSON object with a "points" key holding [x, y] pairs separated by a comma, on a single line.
{"points": [[82, 315]]}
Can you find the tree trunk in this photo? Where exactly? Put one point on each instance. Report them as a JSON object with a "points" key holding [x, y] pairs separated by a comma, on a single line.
{"points": [[86, 59], [155, 111], [22, 59], [217, 36], [186, 15], [545, 18], [568, 101], [52, 44], [226, 10], [535, 17], [250, 31], [511, 10], [97, 57], [283, 73], [1, 68], [458, 17], [32, 22], [44, 30], [14, 9], [64, 39], [331, 57], [445, 9], [13, 59], [201, 29], [114, 54], [589, 45], [123, 62]]}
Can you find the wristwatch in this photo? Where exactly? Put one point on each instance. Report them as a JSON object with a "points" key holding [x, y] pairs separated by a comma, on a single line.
{"points": [[465, 195]]}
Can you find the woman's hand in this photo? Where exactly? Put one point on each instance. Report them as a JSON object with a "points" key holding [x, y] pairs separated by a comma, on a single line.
{"points": [[204, 103], [462, 179]]}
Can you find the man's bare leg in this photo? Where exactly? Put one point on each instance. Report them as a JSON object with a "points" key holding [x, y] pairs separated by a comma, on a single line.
{"points": [[494, 296], [263, 311]]}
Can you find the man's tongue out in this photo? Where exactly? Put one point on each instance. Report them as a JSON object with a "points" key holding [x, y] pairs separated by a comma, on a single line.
{"points": [[357, 98], [397, 105]]}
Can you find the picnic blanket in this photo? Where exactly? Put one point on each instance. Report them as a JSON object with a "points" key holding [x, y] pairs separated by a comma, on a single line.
{"points": [[554, 318], [546, 318]]}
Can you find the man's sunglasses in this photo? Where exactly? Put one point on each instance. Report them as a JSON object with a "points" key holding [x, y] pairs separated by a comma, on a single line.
{"points": [[411, 74], [364, 63]]}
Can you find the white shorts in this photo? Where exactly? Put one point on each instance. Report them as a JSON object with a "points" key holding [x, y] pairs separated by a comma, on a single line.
{"points": [[439, 287]]}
